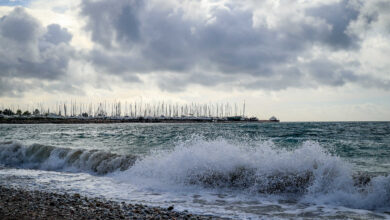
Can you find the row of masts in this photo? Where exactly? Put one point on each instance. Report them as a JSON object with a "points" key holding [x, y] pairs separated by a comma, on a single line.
{"points": [[134, 109]]}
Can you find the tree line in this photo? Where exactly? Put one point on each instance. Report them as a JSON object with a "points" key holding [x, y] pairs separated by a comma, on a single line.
{"points": [[19, 112]]}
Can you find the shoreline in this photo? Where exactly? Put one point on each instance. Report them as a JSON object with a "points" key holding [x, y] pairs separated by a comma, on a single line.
{"points": [[112, 120], [16, 203]]}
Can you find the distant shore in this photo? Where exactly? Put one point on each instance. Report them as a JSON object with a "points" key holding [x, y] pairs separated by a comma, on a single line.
{"points": [[24, 204], [107, 120]]}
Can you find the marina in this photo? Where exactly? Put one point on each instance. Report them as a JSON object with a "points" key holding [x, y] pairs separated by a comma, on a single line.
{"points": [[75, 113]]}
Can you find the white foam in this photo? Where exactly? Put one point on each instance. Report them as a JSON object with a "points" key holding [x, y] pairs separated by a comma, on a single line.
{"points": [[309, 172]]}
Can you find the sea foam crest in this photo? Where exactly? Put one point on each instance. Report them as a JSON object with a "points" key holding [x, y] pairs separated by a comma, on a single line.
{"points": [[309, 172], [37, 156], [263, 168]]}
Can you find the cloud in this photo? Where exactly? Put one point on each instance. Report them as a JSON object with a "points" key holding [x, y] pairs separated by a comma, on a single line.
{"points": [[108, 29], [225, 45], [56, 35], [12, 87], [338, 16], [374, 18], [19, 27], [29, 51], [246, 45]]}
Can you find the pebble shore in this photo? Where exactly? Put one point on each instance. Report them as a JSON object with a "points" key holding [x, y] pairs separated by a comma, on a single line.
{"points": [[24, 204]]}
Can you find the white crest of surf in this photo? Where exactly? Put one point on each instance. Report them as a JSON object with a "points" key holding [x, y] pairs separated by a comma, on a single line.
{"points": [[309, 172], [43, 157], [199, 161]]}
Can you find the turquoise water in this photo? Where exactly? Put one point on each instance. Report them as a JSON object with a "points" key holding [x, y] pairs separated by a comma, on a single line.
{"points": [[365, 144], [239, 170]]}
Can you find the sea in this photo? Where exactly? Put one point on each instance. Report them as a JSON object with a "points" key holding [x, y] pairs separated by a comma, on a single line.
{"points": [[310, 170]]}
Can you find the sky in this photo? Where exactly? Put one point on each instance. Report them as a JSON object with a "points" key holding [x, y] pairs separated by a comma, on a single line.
{"points": [[302, 60]]}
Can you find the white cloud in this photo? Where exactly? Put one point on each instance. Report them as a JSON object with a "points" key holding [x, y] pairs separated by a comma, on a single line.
{"points": [[189, 50]]}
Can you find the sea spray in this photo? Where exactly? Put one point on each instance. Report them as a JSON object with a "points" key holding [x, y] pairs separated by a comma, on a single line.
{"points": [[374, 195], [309, 173], [261, 168]]}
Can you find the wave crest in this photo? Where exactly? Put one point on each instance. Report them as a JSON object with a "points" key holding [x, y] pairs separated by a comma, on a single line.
{"points": [[43, 157], [308, 173], [263, 169]]}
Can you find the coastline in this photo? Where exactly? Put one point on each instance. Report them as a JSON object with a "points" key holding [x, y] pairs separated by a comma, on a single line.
{"points": [[110, 120], [16, 203]]}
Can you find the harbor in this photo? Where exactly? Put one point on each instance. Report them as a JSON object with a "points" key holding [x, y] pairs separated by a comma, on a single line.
{"points": [[125, 119], [116, 112]]}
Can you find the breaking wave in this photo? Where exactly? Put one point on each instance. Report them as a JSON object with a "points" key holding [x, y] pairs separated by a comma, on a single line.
{"points": [[264, 169], [308, 173], [51, 158]]}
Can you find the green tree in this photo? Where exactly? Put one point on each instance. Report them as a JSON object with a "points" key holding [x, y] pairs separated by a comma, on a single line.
{"points": [[19, 112], [36, 112], [26, 113], [8, 112]]}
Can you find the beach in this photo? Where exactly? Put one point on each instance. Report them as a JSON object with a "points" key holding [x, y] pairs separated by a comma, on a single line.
{"points": [[212, 109], [16, 203]]}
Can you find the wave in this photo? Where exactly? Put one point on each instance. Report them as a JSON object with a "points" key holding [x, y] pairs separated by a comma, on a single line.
{"points": [[37, 156], [308, 173], [220, 164]]}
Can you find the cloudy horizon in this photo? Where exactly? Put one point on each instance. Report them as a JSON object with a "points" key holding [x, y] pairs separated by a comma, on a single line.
{"points": [[297, 60]]}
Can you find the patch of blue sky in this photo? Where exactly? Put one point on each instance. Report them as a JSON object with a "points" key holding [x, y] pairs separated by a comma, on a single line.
{"points": [[15, 2]]}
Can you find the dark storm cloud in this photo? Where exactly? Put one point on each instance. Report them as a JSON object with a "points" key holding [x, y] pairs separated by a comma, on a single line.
{"points": [[232, 46], [29, 51], [136, 38], [19, 27], [106, 28], [339, 16], [179, 82], [168, 42]]}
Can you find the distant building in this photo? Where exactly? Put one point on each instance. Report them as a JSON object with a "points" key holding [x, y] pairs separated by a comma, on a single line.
{"points": [[273, 118]]}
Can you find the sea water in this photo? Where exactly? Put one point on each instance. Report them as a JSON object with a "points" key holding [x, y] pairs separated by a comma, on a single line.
{"points": [[238, 170]]}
